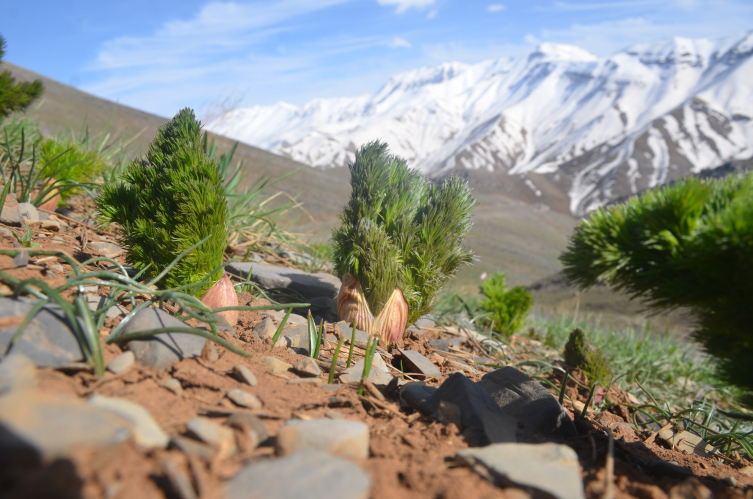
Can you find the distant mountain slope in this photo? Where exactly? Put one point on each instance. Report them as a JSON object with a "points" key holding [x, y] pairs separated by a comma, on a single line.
{"points": [[592, 130]]}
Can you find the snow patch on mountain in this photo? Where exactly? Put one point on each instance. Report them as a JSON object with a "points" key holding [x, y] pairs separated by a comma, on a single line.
{"points": [[608, 126]]}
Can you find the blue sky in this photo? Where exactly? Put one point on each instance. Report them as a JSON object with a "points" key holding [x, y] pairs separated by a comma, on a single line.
{"points": [[161, 56]]}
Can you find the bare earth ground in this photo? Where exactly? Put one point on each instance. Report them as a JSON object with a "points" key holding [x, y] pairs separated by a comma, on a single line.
{"points": [[411, 455]]}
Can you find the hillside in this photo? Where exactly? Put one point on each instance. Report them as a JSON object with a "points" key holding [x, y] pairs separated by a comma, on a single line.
{"points": [[563, 127]]}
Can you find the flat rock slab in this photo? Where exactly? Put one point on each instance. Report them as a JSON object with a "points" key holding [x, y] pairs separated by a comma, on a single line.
{"points": [[304, 474], [347, 332], [686, 441], [337, 437], [419, 364], [377, 375], [527, 401], [162, 350], [47, 341], [548, 468], [444, 344], [146, 432], [36, 425], [309, 285]]}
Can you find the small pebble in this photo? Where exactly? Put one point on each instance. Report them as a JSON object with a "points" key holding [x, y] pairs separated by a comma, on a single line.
{"points": [[244, 399], [56, 267], [174, 386], [307, 367], [276, 365], [331, 414], [730, 481], [244, 374], [121, 362], [306, 381], [209, 432], [332, 388]]}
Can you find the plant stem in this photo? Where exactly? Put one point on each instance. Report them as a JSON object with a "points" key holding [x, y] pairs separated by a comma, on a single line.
{"points": [[368, 359], [352, 341], [319, 339], [588, 401], [564, 385], [334, 362], [279, 329]]}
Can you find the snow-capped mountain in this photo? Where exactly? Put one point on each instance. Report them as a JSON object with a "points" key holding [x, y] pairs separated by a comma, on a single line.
{"points": [[597, 128]]}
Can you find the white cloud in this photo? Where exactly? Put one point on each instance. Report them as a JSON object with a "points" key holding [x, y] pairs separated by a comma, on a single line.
{"points": [[400, 42], [403, 5], [531, 39], [432, 14], [495, 7]]}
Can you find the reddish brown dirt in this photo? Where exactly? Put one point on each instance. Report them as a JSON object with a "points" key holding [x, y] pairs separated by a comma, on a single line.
{"points": [[411, 456]]}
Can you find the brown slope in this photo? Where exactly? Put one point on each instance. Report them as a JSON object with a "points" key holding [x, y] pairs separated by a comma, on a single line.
{"points": [[64, 107]]}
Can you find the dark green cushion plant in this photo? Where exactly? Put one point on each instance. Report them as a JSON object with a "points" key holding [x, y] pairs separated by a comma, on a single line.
{"points": [[688, 245], [399, 230], [169, 201], [580, 352], [505, 308]]}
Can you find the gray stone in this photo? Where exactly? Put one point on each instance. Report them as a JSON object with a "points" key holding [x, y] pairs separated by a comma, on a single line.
{"points": [[333, 414], [686, 441], [178, 479], [307, 367], [347, 332], [28, 211], [445, 343], [275, 365], [551, 469], [36, 426], [298, 335], [191, 447], [243, 373], [337, 437], [249, 423], [324, 307], [278, 315], [11, 213], [48, 340], [20, 260], [243, 399], [331, 388], [265, 328], [105, 249], [122, 362], [304, 474], [376, 375], [209, 432], [146, 432], [417, 363], [527, 401], [309, 285], [173, 384], [423, 322], [222, 324], [17, 372], [162, 350]]}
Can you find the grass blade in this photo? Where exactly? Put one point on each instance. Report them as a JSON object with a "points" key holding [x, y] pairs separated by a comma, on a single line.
{"points": [[279, 329], [334, 361]]}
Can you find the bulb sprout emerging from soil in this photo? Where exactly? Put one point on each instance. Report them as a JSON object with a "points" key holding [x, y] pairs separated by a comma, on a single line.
{"points": [[223, 294], [393, 319], [352, 306]]}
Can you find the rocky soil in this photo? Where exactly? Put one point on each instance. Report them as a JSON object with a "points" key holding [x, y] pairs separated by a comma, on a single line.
{"points": [[178, 417]]}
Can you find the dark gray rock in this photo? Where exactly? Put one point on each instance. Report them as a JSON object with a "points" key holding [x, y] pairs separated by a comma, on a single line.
{"points": [[309, 285], [122, 362], [11, 213], [17, 372], [162, 350], [266, 328], [337, 437], [298, 334], [552, 470], [347, 332], [48, 340], [528, 402], [324, 307], [419, 364], [304, 474], [378, 374]]}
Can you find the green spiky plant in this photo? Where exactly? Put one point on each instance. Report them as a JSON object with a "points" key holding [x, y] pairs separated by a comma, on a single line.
{"points": [[398, 234], [169, 201], [83, 166], [505, 308], [688, 245]]}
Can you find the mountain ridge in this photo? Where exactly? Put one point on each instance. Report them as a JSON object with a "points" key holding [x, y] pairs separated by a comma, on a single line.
{"points": [[596, 128]]}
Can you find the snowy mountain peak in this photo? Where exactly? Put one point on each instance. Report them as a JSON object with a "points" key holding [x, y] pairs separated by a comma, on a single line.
{"points": [[561, 52], [557, 119]]}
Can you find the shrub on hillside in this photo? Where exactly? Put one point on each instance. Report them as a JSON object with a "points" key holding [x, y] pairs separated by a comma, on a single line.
{"points": [[169, 201], [505, 308], [15, 96], [686, 245], [70, 162]]}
